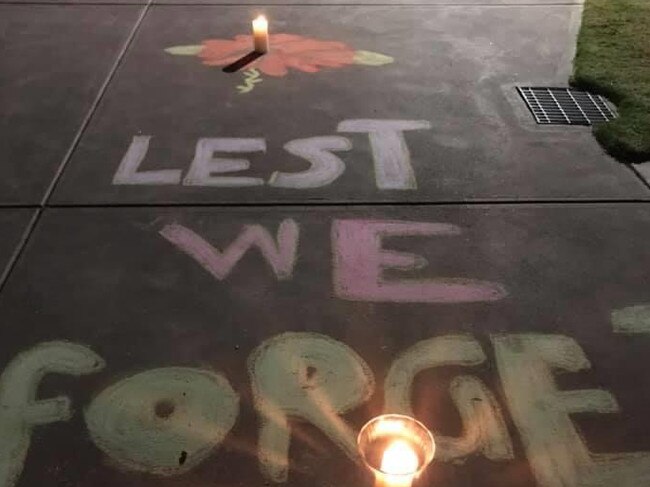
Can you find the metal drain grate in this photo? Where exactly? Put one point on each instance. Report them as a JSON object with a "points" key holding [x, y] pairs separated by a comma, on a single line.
{"points": [[565, 106]]}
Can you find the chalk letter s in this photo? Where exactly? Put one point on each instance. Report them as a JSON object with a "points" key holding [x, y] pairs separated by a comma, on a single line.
{"points": [[325, 166]]}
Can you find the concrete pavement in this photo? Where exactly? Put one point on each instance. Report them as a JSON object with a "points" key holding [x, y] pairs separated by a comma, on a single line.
{"points": [[217, 278]]}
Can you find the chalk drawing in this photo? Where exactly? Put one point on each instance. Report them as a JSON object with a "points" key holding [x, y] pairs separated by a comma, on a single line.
{"points": [[281, 256], [288, 51], [166, 421], [251, 78], [633, 319], [20, 411], [557, 453], [325, 166], [163, 421], [310, 377], [359, 261], [484, 429], [483, 426], [127, 172], [391, 155], [205, 164]]}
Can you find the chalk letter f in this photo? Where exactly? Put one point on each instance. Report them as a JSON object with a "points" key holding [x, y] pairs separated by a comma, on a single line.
{"points": [[20, 411]]}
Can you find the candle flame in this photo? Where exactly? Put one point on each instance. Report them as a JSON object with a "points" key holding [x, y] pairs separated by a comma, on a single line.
{"points": [[260, 35], [399, 459], [260, 23]]}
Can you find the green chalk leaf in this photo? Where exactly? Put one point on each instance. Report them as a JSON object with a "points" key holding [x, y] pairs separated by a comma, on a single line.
{"points": [[369, 58], [184, 50]]}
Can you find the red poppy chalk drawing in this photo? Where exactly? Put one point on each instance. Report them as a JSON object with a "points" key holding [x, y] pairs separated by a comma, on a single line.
{"points": [[287, 51]]}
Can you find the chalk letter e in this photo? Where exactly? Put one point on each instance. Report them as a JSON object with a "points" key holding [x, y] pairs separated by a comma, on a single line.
{"points": [[558, 455], [359, 260]]}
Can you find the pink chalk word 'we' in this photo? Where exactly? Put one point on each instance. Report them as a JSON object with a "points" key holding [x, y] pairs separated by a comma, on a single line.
{"points": [[359, 260]]}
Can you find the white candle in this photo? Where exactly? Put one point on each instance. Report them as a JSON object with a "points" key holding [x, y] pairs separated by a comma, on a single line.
{"points": [[261, 34]]}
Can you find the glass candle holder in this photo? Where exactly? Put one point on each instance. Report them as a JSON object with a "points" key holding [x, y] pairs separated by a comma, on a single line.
{"points": [[396, 448]]}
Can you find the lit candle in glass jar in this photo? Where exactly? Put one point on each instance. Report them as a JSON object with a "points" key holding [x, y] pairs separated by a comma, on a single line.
{"points": [[399, 464], [396, 448], [261, 34]]}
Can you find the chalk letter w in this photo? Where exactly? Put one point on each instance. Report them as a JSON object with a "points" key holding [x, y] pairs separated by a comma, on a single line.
{"points": [[281, 255]]}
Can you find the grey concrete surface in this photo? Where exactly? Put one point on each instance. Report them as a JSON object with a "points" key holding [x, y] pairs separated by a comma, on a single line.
{"points": [[457, 3], [108, 279], [454, 68], [13, 225], [53, 60], [643, 170], [135, 319]]}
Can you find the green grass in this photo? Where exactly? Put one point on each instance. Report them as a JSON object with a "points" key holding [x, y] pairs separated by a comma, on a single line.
{"points": [[613, 59]]}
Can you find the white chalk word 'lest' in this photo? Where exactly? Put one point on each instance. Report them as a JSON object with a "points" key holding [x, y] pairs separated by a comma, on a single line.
{"points": [[214, 161]]}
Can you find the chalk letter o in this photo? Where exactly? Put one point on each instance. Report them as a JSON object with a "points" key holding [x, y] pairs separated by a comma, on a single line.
{"points": [[163, 421]]}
